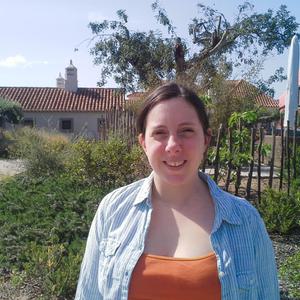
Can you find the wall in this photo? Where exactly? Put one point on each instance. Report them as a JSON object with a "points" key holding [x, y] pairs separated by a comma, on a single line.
{"points": [[84, 123]]}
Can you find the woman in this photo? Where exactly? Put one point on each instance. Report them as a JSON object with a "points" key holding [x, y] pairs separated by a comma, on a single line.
{"points": [[176, 234]]}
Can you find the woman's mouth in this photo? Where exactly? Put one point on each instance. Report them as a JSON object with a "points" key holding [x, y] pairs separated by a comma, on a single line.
{"points": [[174, 164]]}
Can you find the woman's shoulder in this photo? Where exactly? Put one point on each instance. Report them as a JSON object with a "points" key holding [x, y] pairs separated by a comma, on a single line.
{"points": [[124, 195], [232, 204]]}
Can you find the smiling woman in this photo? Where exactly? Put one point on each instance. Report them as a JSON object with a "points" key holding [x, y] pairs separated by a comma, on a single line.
{"points": [[176, 234]]}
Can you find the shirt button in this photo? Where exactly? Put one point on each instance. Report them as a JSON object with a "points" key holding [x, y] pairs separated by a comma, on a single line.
{"points": [[221, 274]]}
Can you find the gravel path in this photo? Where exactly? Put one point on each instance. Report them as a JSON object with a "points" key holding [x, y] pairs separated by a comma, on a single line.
{"points": [[11, 167]]}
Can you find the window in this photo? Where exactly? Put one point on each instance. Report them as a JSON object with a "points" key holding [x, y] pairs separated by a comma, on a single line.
{"points": [[66, 125], [28, 122], [101, 123]]}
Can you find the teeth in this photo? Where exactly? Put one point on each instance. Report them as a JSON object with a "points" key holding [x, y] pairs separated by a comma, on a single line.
{"points": [[175, 164]]}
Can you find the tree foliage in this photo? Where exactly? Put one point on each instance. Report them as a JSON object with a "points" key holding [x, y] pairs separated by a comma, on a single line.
{"points": [[10, 112], [139, 60]]}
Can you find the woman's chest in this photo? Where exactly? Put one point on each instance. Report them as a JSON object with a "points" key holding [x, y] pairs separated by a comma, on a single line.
{"points": [[173, 233]]}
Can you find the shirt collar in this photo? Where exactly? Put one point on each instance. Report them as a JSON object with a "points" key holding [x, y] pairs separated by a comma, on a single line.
{"points": [[224, 204], [145, 191], [223, 201]]}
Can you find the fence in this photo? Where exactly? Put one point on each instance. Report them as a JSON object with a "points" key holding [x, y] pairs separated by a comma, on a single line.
{"points": [[287, 167], [118, 122], [231, 176]]}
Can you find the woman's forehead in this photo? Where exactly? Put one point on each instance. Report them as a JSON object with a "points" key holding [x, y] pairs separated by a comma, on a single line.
{"points": [[177, 106], [179, 113]]}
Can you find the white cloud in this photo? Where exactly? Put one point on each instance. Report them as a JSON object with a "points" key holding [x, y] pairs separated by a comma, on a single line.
{"points": [[19, 61], [13, 61]]}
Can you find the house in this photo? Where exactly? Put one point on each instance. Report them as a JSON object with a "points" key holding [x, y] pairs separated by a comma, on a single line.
{"points": [[66, 108], [241, 89], [244, 90]]}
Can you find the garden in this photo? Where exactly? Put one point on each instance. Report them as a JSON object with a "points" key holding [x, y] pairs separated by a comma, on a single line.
{"points": [[46, 211]]}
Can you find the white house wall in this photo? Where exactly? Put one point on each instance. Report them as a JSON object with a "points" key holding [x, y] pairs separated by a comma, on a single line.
{"points": [[84, 123]]}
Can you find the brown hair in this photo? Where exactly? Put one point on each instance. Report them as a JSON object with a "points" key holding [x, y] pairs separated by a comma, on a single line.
{"points": [[166, 92]]}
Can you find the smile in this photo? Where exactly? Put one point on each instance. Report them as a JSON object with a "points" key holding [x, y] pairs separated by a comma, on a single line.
{"points": [[175, 163]]}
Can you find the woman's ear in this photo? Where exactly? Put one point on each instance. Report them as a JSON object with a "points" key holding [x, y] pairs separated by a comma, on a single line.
{"points": [[142, 141], [207, 137]]}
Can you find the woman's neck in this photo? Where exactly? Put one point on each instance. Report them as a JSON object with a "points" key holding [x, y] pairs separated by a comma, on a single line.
{"points": [[178, 195]]}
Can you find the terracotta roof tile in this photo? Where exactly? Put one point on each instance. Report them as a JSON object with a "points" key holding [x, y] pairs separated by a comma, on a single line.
{"points": [[56, 99], [239, 88], [244, 89]]}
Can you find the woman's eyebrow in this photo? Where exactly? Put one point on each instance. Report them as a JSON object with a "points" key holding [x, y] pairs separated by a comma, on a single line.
{"points": [[187, 123], [160, 126]]}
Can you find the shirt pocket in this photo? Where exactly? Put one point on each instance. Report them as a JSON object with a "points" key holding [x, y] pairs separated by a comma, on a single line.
{"points": [[108, 249], [247, 284]]}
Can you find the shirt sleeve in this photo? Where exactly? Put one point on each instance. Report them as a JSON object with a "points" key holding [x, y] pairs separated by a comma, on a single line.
{"points": [[87, 287], [265, 263]]}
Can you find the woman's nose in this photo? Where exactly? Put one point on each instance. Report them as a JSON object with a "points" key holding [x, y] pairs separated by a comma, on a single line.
{"points": [[173, 144]]}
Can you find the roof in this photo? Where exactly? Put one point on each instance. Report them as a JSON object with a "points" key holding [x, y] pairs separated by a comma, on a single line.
{"points": [[45, 99], [134, 98], [239, 89], [244, 89]]}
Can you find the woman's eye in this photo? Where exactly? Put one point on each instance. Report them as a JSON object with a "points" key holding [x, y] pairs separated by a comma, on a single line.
{"points": [[187, 130], [159, 133]]}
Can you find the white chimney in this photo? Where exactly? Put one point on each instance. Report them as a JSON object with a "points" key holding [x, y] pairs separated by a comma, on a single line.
{"points": [[60, 82], [71, 83]]}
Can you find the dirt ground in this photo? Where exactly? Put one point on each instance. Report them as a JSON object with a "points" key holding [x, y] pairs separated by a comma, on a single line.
{"points": [[11, 167]]}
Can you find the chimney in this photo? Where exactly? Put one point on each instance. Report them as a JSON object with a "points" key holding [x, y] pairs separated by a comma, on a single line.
{"points": [[60, 82], [71, 83]]}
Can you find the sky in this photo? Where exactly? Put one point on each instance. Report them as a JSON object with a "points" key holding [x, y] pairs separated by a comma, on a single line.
{"points": [[38, 38]]}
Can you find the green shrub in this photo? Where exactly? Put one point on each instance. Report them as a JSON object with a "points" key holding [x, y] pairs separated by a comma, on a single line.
{"points": [[289, 271], [43, 229], [47, 211], [108, 164], [44, 152], [280, 211], [10, 111], [57, 266]]}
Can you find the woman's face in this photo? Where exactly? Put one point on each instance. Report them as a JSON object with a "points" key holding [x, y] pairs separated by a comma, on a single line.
{"points": [[174, 141]]}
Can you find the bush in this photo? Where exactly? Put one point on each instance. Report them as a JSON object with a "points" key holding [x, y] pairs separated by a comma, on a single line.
{"points": [[41, 217], [57, 266], [10, 111], [289, 271], [280, 211], [108, 164], [49, 209], [44, 152]]}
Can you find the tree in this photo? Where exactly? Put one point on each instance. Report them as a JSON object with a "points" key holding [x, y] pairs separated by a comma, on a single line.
{"points": [[10, 112], [139, 60]]}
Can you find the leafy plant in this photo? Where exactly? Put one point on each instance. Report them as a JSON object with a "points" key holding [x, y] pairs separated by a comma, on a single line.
{"points": [[290, 272], [10, 112], [106, 163], [44, 210], [57, 267], [48, 214], [280, 211]]}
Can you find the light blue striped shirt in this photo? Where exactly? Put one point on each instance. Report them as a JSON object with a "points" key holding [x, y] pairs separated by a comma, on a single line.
{"points": [[244, 252]]}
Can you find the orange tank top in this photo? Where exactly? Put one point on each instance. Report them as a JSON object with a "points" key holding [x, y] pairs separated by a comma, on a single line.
{"points": [[160, 277]]}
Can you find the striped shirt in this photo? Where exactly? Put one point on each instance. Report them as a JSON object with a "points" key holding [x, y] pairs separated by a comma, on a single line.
{"points": [[244, 252]]}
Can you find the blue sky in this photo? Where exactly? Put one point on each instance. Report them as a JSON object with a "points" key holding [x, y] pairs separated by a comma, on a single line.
{"points": [[38, 37]]}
